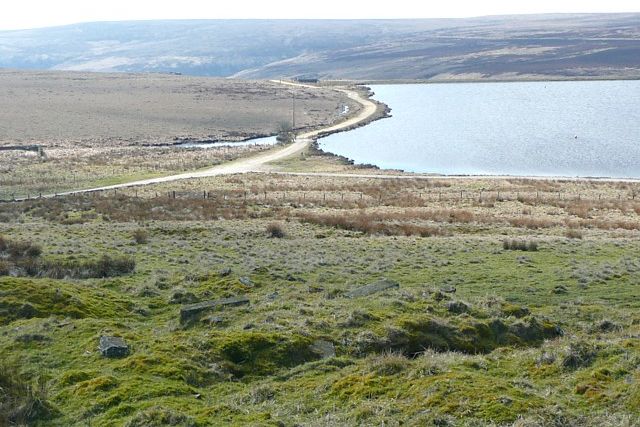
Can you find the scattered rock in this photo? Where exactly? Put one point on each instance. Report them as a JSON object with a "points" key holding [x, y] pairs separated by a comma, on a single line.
{"points": [[273, 296], [193, 311], [458, 307], [324, 349], [505, 400], [246, 282], [113, 347], [225, 272], [379, 286], [448, 289]]}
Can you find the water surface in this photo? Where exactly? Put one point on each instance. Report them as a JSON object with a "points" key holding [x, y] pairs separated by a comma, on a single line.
{"points": [[267, 140], [532, 128]]}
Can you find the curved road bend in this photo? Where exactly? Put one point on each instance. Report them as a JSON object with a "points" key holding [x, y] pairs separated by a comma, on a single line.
{"points": [[253, 163]]}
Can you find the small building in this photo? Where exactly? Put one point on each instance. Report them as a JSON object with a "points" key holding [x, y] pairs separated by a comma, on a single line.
{"points": [[307, 79]]}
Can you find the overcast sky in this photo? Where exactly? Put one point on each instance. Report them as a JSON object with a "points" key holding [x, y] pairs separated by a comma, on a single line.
{"points": [[17, 14]]}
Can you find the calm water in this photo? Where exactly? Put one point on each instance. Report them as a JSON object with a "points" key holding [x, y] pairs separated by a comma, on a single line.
{"points": [[268, 140], [552, 128]]}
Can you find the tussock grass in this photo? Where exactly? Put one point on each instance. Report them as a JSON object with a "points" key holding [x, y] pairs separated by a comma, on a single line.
{"points": [[21, 401], [413, 355], [275, 230], [405, 223], [520, 245], [22, 258]]}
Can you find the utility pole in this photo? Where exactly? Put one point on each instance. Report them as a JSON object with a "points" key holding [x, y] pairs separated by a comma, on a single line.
{"points": [[293, 111]]}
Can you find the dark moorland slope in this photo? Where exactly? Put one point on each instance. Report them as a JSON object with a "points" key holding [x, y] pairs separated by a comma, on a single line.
{"points": [[515, 47]]}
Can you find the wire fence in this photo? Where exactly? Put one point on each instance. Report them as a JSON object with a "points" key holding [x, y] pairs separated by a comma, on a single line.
{"points": [[320, 197]]}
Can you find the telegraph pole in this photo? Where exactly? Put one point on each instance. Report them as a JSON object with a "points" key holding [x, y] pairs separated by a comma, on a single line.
{"points": [[293, 111]]}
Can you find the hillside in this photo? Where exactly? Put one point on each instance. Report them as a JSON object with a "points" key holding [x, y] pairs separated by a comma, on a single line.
{"points": [[557, 46]]}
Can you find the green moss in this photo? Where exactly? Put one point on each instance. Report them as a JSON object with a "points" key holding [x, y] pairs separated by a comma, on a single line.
{"points": [[412, 335], [489, 366], [361, 386], [102, 383], [157, 416], [259, 353], [28, 298], [75, 376]]}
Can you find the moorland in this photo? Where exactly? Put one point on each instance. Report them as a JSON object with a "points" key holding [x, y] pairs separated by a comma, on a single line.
{"points": [[346, 295]]}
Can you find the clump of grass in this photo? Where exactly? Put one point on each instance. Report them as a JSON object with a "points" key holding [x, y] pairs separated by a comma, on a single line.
{"points": [[388, 224], [412, 336], [140, 236], [532, 223], [520, 245], [259, 394], [579, 355], [607, 326], [23, 260], [17, 250], [22, 403], [105, 266], [157, 416], [275, 230], [573, 234], [389, 363]]}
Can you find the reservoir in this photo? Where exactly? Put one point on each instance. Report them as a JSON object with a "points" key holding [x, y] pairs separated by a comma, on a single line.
{"points": [[581, 128]]}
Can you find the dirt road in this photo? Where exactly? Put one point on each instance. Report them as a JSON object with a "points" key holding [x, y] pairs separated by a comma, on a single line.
{"points": [[259, 162]]}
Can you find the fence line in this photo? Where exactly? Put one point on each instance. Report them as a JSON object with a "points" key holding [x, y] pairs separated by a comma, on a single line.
{"points": [[316, 196]]}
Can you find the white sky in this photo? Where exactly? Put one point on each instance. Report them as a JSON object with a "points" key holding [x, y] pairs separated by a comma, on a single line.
{"points": [[18, 14]]}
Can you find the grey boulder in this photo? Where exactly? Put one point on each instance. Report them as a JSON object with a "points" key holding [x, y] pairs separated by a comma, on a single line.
{"points": [[113, 347], [375, 287]]}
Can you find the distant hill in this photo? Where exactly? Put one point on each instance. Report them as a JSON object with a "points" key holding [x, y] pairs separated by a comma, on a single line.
{"points": [[490, 47]]}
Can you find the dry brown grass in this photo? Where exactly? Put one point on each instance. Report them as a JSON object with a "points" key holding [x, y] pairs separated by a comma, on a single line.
{"points": [[532, 223], [389, 224], [369, 205]]}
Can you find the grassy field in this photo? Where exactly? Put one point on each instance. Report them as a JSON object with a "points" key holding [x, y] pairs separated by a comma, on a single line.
{"points": [[24, 174], [501, 302]]}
